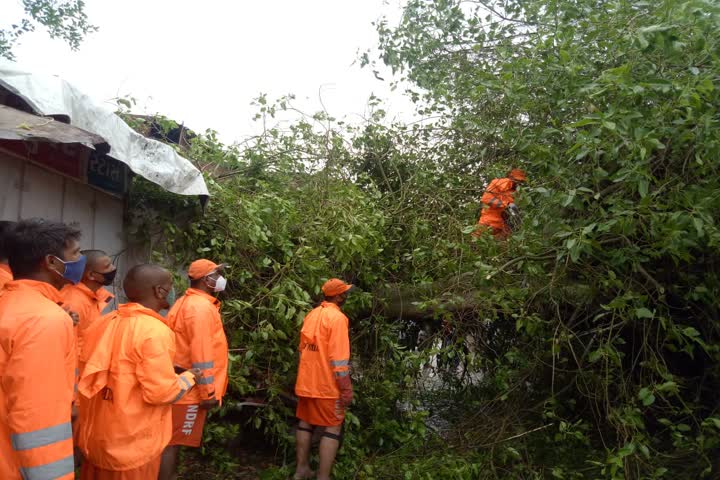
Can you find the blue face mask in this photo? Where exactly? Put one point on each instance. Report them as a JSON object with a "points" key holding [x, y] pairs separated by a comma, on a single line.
{"points": [[73, 270]]}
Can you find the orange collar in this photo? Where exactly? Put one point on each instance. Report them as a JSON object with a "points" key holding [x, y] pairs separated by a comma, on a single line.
{"points": [[325, 304], [101, 295], [205, 295], [5, 267], [132, 309], [44, 288]]}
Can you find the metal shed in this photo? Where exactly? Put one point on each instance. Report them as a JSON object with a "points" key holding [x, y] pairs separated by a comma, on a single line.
{"points": [[65, 158]]}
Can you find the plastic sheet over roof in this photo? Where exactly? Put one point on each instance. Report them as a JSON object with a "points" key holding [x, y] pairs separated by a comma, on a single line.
{"points": [[52, 96]]}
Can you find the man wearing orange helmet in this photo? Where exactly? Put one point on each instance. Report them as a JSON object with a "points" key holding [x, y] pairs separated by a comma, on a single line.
{"points": [[323, 385], [499, 204]]}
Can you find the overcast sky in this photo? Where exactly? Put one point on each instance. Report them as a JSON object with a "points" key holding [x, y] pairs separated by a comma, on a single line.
{"points": [[202, 63]]}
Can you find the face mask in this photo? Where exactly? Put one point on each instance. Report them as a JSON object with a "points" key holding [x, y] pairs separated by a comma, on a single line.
{"points": [[73, 270], [108, 277], [219, 285]]}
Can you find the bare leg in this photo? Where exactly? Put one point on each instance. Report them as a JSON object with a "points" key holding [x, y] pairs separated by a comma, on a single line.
{"points": [[302, 447], [169, 463], [328, 450]]}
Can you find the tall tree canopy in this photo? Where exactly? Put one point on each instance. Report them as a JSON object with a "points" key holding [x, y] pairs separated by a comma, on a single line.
{"points": [[586, 346], [63, 19]]}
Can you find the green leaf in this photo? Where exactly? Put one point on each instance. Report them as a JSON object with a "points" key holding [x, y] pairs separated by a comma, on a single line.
{"points": [[669, 386], [691, 332], [627, 449], [584, 122], [643, 313], [698, 224]]}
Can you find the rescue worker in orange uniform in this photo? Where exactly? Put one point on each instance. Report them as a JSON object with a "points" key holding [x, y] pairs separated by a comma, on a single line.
{"points": [[88, 299], [5, 272], [200, 343], [323, 384], [130, 383], [499, 202], [37, 353]]}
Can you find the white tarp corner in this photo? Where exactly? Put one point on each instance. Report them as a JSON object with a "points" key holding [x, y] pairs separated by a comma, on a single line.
{"points": [[153, 160]]}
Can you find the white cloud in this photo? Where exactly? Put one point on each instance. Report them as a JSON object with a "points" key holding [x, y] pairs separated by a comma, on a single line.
{"points": [[202, 63]]}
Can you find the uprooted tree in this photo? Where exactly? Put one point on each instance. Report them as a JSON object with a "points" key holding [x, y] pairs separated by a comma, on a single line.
{"points": [[586, 346]]}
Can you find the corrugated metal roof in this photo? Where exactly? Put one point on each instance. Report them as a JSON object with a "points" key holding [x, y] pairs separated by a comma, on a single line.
{"points": [[21, 126]]}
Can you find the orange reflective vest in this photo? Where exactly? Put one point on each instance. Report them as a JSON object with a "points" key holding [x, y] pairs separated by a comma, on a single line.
{"points": [[37, 371], [499, 194], [324, 352], [200, 343], [129, 385], [5, 274]]}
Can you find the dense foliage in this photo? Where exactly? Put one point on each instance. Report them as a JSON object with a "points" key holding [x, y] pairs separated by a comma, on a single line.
{"points": [[586, 346]]}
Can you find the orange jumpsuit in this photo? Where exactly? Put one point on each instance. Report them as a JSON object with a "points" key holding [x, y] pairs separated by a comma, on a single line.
{"points": [[37, 372], [200, 343], [324, 356], [129, 383], [88, 305], [499, 194], [5, 274]]}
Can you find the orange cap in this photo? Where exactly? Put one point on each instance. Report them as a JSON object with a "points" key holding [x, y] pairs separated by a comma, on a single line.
{"points": [[334, 287], [202, 268], [517, 175]]}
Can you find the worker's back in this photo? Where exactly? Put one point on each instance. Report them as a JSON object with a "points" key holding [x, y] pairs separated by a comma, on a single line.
{"points": [[131, 383], [324, 344]]}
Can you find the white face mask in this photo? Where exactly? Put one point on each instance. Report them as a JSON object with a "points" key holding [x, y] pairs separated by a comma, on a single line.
{"points": [[220, 284]]}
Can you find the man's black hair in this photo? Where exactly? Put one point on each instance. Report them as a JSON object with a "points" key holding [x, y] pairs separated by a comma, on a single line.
{"points": [[92, 257], [31, 240], [5, 229]]}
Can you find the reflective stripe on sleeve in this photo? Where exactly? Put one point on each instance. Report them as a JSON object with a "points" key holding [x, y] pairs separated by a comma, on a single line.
{"points": [[206, 380], [186, 382], [49, 470], [339, 363], [42, 437], [179, 396], [184, 387], [203, 365], [342, 374]]}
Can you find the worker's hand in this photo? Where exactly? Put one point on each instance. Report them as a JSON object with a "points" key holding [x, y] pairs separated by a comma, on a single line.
{"points": [[75, 317], [197, 373], [512, 217], [346, 397], [346, 391], [209, 404]]}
